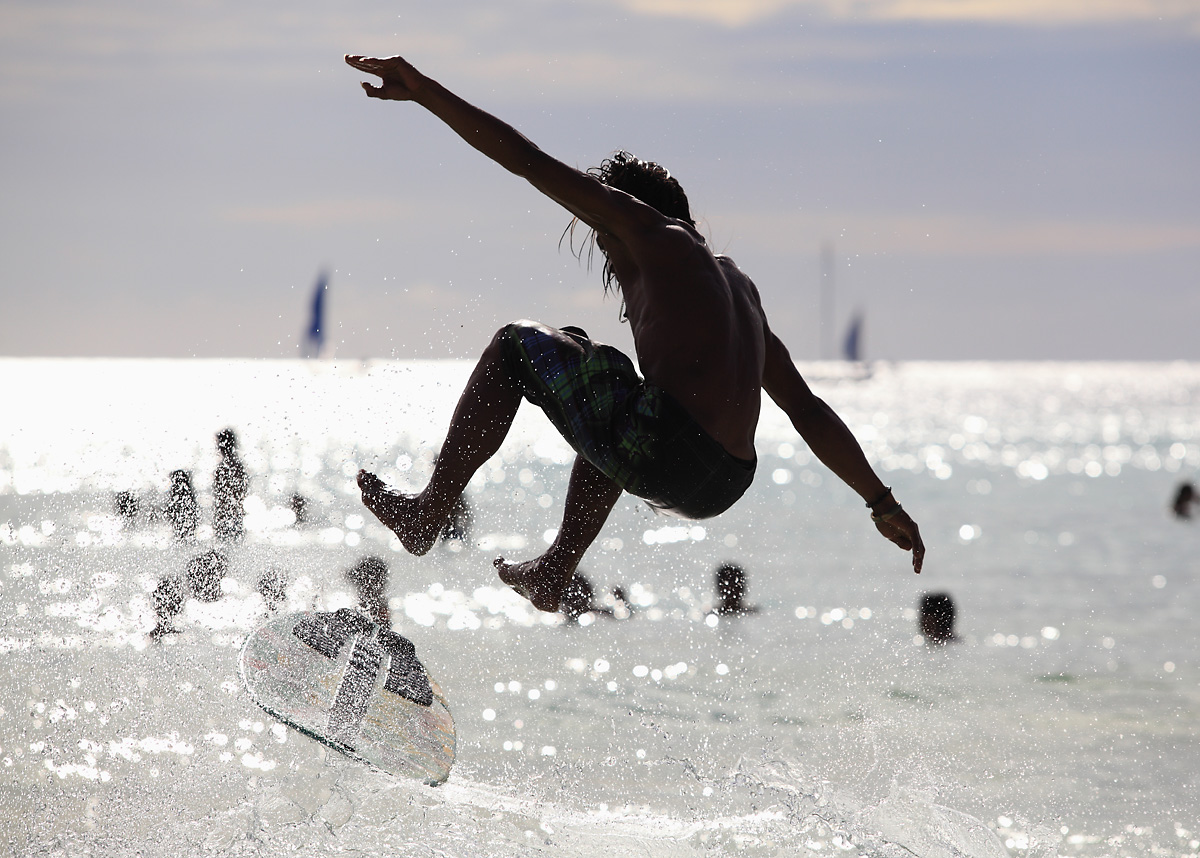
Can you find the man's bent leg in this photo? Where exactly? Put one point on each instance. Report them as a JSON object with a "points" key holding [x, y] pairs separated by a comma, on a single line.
{"points": [[480, 423], [590, 498]]}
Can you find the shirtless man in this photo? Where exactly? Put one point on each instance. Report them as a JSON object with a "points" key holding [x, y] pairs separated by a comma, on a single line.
{"points": [[682, 438]]}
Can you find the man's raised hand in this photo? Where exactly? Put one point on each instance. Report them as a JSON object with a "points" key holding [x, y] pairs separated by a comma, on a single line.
{"points": [[400, 80]]}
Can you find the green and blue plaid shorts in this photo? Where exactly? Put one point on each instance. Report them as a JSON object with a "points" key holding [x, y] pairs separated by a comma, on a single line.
{"points": [[633, 432]]}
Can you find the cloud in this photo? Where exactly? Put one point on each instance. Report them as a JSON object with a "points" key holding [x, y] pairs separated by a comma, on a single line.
{"points": [[322, 213], [581, 75], [1034, 12], [45, 47], [741, 13], [584, 51], [964, 235], [730, 13]]}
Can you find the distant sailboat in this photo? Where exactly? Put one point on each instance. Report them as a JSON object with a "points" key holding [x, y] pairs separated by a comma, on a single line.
{"points": [[852, 367], [313, 343], [852, 344]]}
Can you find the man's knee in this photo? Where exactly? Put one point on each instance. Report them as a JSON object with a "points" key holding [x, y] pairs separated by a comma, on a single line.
{"points": [[495, 346], [501, 350], [508, 332], [507, 343], [517, 326]]}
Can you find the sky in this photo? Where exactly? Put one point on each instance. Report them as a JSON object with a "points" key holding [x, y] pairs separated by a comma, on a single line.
{"points": [[992, 179]]}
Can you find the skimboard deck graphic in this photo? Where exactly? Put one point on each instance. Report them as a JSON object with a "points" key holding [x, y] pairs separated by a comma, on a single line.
{"points": [[359, 688]]}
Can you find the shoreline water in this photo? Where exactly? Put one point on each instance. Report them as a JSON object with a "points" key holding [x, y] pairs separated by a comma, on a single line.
{"points": [[1042, 490]]}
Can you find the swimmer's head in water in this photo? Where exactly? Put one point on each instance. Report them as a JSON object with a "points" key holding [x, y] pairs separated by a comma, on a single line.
{"points": [[649, 182], [370, 575], [227, 442], [731, 583], [937, 617]]}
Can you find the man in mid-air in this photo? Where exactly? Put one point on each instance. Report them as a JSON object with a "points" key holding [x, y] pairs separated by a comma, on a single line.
{"points": [[681, 436]]}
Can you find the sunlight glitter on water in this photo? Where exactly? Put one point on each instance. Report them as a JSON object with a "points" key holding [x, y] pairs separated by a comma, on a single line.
{"points": [[1041, 490]]}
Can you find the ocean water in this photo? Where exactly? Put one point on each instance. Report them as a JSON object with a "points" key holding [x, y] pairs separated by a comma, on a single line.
{"points": [[1063, 721]]}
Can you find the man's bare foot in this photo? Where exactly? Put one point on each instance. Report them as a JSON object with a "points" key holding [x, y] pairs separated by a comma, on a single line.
{"points": [[400, 513], [538, 580]]}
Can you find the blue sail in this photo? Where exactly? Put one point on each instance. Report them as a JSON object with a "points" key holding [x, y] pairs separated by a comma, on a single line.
{"points": [[313, 344], [852, 345]]}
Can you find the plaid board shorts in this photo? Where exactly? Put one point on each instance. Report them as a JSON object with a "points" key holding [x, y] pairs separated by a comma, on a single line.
{"points": [[633, 432]]}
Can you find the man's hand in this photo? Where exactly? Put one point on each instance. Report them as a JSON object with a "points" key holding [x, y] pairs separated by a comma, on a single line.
{"points": [[902, 530], [400, 79]]}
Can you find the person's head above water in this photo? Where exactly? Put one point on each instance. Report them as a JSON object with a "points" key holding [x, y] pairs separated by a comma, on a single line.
{"points": [[731, 583], [937, 618], [576, 598], [227, 442], [369, 575]]}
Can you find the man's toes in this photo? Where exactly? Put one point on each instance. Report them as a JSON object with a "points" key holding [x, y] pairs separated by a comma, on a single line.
{"points": [[506, 570], [368, 482]]}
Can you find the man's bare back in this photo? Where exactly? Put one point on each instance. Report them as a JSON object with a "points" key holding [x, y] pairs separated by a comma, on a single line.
{"points": [[698, 328], [701, 337]]}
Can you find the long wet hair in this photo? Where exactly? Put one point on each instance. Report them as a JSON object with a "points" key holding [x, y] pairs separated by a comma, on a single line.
{"points": [[651, 183]]}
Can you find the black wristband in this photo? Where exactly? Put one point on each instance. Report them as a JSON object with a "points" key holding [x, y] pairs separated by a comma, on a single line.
{"points": [[887, 490]]}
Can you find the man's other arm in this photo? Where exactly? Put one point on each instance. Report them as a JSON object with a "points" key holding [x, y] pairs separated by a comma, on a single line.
{"points": [[834, 444]]}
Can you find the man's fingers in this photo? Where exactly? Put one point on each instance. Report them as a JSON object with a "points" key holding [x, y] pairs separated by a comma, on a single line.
{"points": [[366, 64], [374, 65], [918, 550], [906, 537]]}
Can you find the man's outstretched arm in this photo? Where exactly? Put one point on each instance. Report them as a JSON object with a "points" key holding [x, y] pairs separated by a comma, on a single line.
{"points": [[584, 196], [834, 444]]}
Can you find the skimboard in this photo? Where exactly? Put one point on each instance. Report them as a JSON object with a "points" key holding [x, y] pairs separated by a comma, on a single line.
{"points": [[359, 688]]}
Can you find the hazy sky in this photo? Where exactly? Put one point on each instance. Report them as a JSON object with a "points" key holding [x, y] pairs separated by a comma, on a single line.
{"points": [[997, 178]]}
